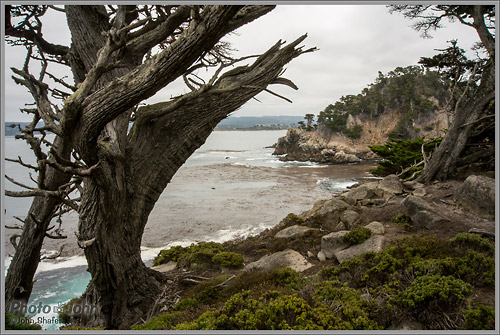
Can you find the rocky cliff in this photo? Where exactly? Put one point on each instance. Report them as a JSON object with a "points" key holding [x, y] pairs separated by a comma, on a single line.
{"points": [[324, 146]]}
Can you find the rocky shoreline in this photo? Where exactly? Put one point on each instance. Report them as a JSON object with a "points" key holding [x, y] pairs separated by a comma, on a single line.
{"points": [[303, 146], [314, 242]]}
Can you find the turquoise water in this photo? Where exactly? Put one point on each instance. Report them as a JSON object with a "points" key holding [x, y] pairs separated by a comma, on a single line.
{"points": [[54, 288]]}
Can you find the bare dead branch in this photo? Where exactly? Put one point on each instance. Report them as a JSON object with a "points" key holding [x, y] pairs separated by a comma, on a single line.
{"points": [[33, 193], [86, 243], [61, 81], [72, 170], [38, 90], [33, 36], [13, 240], [278, 95], [478, 120], [19, 160], [426, 158], [14, 227], [409, 168], [57, 236], [471, 77], [284, 81], [18, 183]]}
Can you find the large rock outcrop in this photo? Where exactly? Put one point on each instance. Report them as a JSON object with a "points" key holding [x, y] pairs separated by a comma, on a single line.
{"points": [[422, 214], [478, 195], [299, 145], [325, 146]]}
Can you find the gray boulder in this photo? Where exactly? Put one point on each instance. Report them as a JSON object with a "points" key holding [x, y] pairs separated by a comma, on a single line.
{"points": [[373, 244], [376, 228], [391, 185], [166, 267], [412, 185], [342, 157], [323, 207], [373, 185], [287, 258], [478, 195], [333, 242], [357, 194], [419, 192], [321, 256], [348, 217], [293, 232], [421, 213]]}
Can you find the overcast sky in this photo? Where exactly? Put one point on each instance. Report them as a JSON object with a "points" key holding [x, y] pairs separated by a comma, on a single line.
{"points": [[354, 42]]}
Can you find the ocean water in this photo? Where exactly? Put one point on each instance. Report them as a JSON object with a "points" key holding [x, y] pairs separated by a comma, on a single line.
{"points": [[231, 187]]}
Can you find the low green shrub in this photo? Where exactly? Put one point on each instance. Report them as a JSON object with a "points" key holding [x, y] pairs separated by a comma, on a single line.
{"points": [[273, 310], [358, 235], [426, 279], [402, 220], [473, 241], [433, 290], [291, 220], [287, 277], [64, 313], [171, 254], [201, 253], [477, 269], [347, 304], [228, 259], [482, 317], [160, 322]]}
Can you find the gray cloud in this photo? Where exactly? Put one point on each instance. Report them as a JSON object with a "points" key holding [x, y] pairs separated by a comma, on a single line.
{"points": [[354, 41]]}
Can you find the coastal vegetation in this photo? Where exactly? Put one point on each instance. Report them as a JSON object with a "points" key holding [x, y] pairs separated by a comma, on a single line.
{"points": [[426, 280]]}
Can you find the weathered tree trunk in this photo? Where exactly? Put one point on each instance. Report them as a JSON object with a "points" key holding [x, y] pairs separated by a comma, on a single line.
{"points": [[19, 278], [444, 160], [118, 202]]}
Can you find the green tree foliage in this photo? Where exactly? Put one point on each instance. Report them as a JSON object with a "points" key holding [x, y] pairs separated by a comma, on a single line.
{"points": [[411, 89], [309, 119], [400, 155]]}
